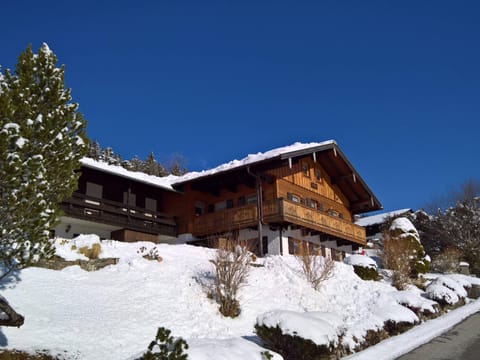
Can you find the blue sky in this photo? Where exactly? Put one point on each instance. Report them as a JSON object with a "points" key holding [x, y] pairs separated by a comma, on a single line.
{"points": [[396, 83]]}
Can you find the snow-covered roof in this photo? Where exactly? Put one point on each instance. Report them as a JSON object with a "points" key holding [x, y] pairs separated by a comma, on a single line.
{"points": [[281, 152], [380, 218], [162, 182]]}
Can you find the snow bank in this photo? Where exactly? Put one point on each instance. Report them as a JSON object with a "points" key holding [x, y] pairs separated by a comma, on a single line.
{"points": [[115, 312], [231, 349]]}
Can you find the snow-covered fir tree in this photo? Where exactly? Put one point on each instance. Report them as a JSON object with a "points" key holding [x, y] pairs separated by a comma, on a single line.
{"points": [[42, 138]]}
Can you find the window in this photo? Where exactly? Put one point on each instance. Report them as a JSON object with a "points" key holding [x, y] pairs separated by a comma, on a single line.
{"points": [[294, 198], [229, 203], [211, 208], [319, 206], [305, 169], [94, 190], [252, 199], [129, 198], [241, 201], [199, 208], [318, 175], [151, 204], [312, 203], [221, 205]]}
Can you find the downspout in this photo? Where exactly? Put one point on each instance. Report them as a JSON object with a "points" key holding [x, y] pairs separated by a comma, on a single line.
{"points": [[258, 185]]}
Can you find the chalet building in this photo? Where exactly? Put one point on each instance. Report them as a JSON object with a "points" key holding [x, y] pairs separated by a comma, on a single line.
{"points": [[115, 203], [287, 197]]}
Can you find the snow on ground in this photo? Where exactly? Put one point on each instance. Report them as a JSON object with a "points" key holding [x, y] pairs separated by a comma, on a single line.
{"points": [[114, 313]]}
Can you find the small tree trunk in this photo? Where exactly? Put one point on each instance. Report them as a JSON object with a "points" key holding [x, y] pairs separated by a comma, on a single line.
{"points": [[8, 316]]}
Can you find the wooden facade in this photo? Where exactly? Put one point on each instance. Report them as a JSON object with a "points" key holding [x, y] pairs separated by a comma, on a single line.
{"points": [[135, 209], [314, 191]]}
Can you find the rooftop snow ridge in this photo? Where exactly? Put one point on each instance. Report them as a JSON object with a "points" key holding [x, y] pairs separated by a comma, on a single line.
{"points": [[167, 181], [251, 159], [380, 218]]}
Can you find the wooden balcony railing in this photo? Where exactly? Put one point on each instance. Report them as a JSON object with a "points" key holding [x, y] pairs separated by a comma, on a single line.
{"points": [[275, 211], [118, 214]]}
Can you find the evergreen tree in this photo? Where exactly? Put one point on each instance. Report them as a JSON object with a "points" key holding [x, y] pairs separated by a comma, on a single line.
{"points": [[42, 139], [135, 164], [152, 167], [94, 150]]}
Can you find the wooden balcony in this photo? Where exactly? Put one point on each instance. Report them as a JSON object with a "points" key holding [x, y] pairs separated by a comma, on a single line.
{"points": [[278, 211], [117, 214]]}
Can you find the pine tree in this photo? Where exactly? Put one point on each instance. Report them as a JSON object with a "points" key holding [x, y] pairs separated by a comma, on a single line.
{"points": [[94, 150], [42, 139], [152, 167]]}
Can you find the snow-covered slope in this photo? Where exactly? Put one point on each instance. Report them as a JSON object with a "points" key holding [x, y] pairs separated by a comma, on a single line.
{"points": [[114, 313]]}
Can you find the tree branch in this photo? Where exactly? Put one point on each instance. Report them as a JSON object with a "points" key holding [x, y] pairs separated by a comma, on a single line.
{"points": [[8, 316]]}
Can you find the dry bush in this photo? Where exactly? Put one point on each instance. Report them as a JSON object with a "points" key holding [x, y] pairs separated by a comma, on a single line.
{"points": [[20, 355], [91, 253], [447, 261], [396, 256], [316, 268], [231, 264]]}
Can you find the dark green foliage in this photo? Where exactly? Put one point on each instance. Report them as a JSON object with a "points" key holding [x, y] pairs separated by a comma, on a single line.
{"points": [[266, 355], [148, 166], [292, 347], [366, 273], [42, 139], [165, 347]]}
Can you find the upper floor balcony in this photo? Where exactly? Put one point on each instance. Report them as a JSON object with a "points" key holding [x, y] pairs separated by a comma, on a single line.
{"points": [[278, 211], [118, 214]]}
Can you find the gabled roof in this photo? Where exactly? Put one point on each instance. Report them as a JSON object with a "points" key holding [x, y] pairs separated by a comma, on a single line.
{"points": [[340, 170], [161, 182], [254, 159], [380, 218]]}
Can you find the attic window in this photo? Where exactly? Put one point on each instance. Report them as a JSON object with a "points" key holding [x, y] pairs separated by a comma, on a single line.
{"points": [[305, 169], [318, 175]]}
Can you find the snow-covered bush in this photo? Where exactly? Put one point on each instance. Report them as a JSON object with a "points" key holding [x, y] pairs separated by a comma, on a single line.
{"points": [[403, 252], [300, 336], [446, 291], [422, 307], [364, 266]]}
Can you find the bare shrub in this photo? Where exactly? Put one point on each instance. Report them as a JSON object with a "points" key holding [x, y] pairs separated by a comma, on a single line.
{"points": [[231, 264], [92, 252], [396, 256], [316, 268], [151, 254], [447, 261]]}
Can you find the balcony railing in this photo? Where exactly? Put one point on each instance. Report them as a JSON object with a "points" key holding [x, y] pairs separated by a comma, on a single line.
{"points": [[118, 214], [278, 210]]}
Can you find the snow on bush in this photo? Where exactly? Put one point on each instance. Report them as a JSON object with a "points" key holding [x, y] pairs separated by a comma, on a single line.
{"points": [[403, 228], [231, 349], [360, 260], [414, 301], [319, 327], [446, 290], [68, 249]]}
